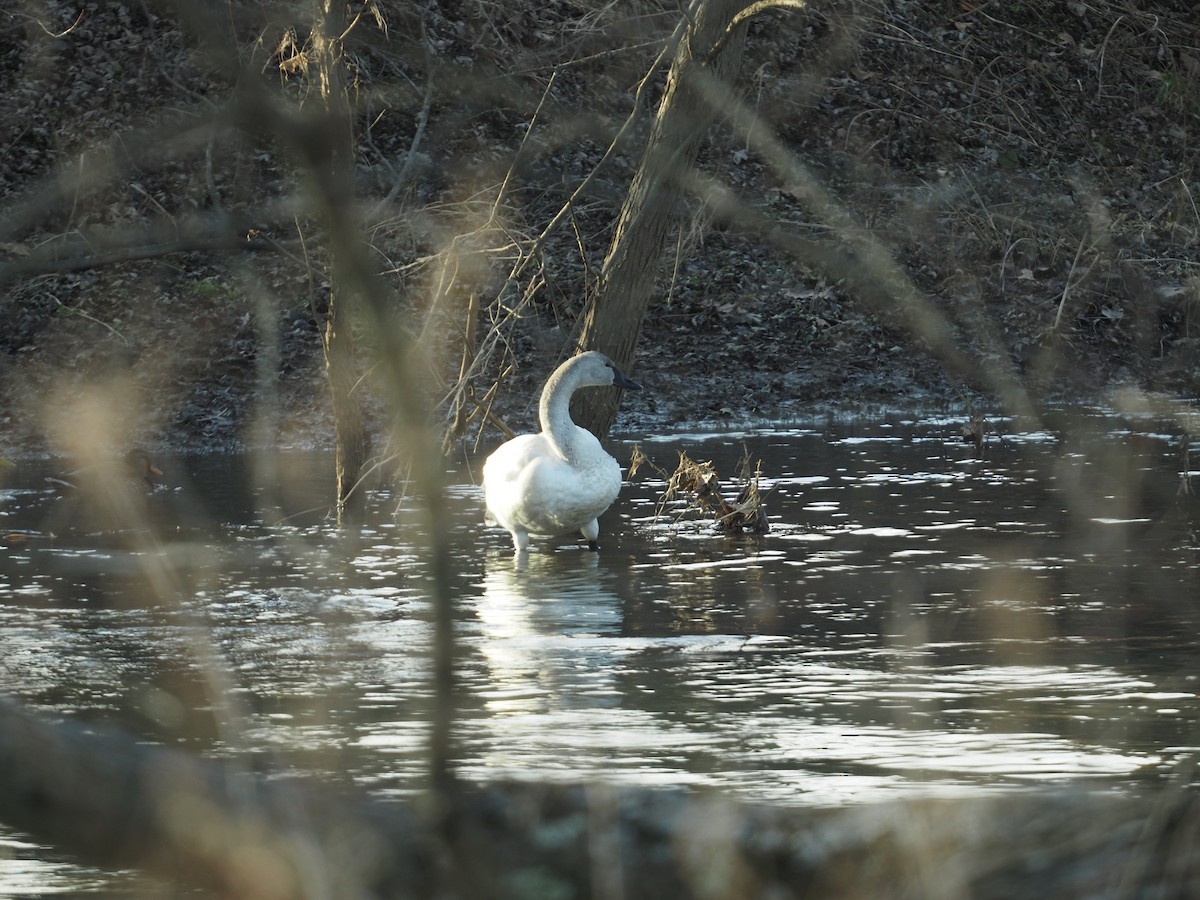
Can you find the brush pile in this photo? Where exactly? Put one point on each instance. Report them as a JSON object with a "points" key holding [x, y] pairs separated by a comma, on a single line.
{"points": [[699, 483]]}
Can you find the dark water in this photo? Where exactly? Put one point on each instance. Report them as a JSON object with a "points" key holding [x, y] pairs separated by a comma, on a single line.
{"points": [[918, 620]]}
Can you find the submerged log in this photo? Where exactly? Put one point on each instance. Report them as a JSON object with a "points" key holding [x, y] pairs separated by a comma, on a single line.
{"points": [[114, 802]]}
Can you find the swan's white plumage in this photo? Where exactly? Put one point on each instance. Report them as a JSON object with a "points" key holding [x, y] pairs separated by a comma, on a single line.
{"points": [[560, 480]]}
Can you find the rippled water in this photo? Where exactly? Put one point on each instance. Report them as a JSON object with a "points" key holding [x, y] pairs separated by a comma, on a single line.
{"points": [[918, 619]]}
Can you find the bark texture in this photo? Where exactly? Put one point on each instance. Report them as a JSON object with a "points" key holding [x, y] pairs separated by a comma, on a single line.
{"points": [[613, 321]]}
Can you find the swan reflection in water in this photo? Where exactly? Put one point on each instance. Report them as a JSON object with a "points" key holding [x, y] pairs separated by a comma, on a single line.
{"points": [[547, 623], [549, 631]]}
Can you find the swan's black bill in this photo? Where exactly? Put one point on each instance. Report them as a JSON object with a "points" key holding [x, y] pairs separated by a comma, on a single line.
{"points": [[623, 381]]}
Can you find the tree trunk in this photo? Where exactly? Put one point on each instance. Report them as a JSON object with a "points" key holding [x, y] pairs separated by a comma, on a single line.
{"points": [[613, 322], [338, 169]]}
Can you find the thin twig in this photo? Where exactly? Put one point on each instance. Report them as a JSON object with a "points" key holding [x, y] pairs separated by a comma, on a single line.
{"points": [[1067, 287], [60, 34], [1103, 52], [410, 160], [745, 15], [75, 311]]}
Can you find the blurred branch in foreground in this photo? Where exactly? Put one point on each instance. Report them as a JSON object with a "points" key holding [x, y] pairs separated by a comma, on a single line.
{"points": [[212, 824]]}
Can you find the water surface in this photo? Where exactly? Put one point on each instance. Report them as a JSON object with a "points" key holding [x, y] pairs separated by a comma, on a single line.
{"points": [[918, 620]]}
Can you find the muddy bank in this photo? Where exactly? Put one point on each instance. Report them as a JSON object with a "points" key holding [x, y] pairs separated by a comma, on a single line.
{"points": [[1031, 171]]}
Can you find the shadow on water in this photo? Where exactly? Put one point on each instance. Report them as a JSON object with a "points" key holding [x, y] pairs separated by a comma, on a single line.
{"points": [[918, 619]]}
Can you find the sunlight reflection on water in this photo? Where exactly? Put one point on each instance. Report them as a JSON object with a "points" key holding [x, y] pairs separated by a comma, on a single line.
{"points": [[917, 620]]}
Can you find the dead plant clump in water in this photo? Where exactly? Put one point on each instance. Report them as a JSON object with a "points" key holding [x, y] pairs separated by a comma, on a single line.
{"points": [[699, 483]]}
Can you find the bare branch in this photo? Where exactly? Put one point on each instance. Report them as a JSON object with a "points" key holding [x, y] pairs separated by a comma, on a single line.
{"points": [[76, 252]]}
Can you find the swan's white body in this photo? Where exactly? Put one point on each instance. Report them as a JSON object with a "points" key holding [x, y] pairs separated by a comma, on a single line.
{"points": [[560, 480]]}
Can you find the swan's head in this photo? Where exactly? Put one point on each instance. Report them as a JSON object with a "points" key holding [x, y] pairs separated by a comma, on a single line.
{"points": [[595, 369]]}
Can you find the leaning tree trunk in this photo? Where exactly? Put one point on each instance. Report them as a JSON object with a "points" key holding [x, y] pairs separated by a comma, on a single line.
{"points": [[613, 321], [337, 170]]}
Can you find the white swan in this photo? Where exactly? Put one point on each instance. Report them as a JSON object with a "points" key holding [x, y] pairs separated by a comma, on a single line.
{"points": [[560, 480]]}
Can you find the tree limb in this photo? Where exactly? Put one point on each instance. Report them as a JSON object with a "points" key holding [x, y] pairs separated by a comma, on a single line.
{"points": [[115, 802], [76, 252]]}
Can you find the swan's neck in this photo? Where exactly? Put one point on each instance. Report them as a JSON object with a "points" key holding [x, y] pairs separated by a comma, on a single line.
{"points": [[554, 414]]}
